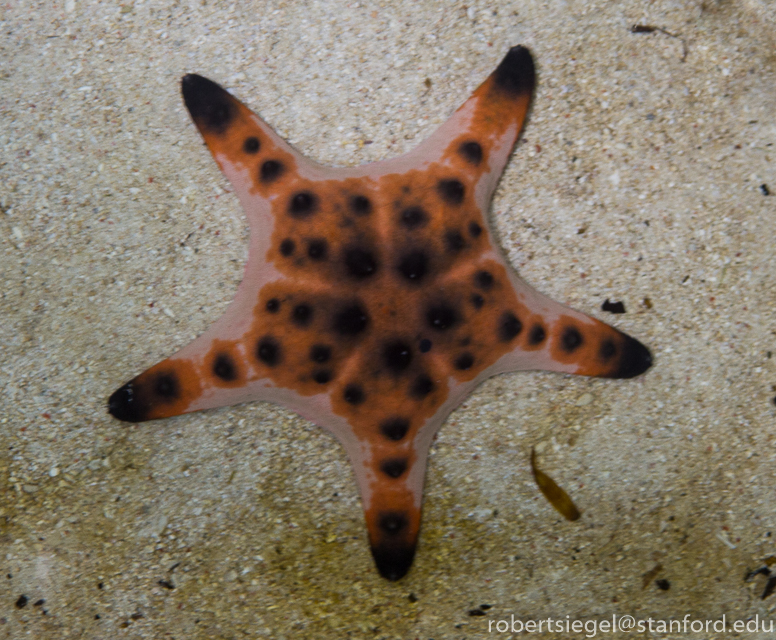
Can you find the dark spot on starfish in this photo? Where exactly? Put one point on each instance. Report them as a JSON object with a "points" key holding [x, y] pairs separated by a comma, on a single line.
{"points": [[268, 351], [441, 317], [273, 305], [166, 386], [392, 522], [571, 339], [271, 170], [477, 300], [515, 75], [484, 279], [360, 205], [302, 204], [354, 394], [224, 367], [464, 361], [452, 191], [322, 377], [425, 345], [536, 335], [471, 151], [421, 386], [351, 320], [320, 353], [302, 315], [397, 356], [287, 247], [395, 428], [509, 326], [393, 561], [211, 107], [394, 467], [607, 350], [454, 241], [475, 229], [413, 217], [251, 145], [635, 359], [360, 263], [413, 265], [317, 249]]}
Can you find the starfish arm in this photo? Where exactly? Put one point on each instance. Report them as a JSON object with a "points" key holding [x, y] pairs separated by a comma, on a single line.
{"points": [[478, 138], [390, 474], [553, 337], [237, 138]]}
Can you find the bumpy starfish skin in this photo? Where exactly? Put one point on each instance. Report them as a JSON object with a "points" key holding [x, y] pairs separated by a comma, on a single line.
{"points": [[374, 299]]}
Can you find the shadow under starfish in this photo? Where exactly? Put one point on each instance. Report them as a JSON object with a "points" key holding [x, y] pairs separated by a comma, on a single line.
{"points": [[374, 299]]}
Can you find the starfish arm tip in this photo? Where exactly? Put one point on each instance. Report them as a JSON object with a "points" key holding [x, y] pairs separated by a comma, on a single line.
{"points": [[122, 405], [634, 361], [210, 105], [516, 74], [393, 562]]}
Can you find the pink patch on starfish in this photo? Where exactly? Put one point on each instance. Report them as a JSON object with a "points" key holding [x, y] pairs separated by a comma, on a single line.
{"points": [[374, 298]]}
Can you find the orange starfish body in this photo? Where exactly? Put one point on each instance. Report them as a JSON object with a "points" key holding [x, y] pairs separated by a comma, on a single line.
{"points": [[374, 298]]}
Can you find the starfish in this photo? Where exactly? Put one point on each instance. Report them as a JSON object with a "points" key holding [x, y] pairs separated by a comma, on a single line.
{"points": [[374, 298]]}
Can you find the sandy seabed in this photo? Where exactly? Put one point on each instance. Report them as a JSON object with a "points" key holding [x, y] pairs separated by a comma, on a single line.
{"points": [[643, 176]]}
